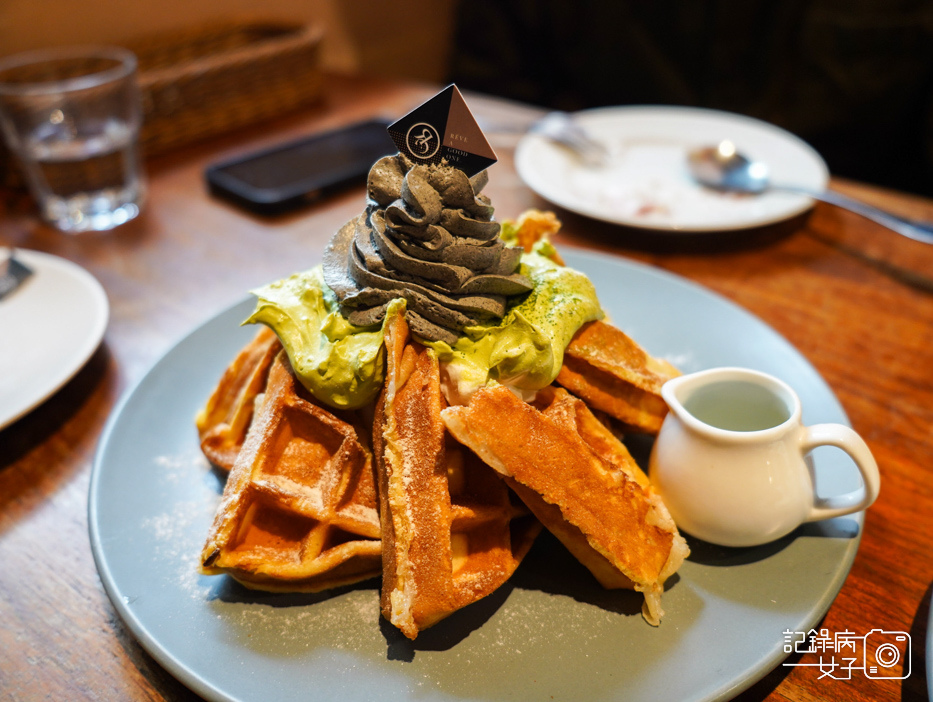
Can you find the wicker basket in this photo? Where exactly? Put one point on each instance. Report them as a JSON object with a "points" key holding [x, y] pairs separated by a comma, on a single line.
{"points": [[208, 80], [211, 80]]}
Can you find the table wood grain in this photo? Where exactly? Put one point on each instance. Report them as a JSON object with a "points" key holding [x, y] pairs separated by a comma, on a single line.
{"points": [[853, 298]]}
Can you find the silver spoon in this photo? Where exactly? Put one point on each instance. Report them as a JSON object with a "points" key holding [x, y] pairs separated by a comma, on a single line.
{"points": [[724, 168]]}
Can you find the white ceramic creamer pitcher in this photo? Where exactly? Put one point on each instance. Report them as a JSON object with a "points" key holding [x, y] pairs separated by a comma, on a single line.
{"points": [[730, 463]]}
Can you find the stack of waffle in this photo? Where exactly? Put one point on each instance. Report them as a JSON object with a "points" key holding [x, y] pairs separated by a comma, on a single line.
{"points": [[442, 501]]}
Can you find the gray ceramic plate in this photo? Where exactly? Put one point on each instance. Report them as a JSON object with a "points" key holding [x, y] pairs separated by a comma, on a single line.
{"points": [[929, 642], [550, 633]]}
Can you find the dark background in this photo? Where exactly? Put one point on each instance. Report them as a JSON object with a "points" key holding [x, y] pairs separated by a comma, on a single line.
{"points": [[854, 78]]}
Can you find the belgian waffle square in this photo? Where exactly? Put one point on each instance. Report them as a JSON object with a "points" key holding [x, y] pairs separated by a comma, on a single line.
{"points": [[298, 511], [225, 419]]}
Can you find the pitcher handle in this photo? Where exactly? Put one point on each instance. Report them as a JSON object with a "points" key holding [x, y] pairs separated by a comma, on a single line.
{"points": [[843, 437]]}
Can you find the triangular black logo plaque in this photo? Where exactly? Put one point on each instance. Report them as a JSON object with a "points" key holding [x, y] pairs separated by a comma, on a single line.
{"points": [[443, 128]]}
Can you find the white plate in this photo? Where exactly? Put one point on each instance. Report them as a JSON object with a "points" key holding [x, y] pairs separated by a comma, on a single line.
{"points": [[49, 327], [551, 632], [646, 183]]}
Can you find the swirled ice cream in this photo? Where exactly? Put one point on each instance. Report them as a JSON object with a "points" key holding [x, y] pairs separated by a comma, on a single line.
{"points": [[426, 241], [426, 236]]}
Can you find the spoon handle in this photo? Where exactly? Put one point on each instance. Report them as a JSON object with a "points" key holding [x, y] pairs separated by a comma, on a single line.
{"points": [[560, 127], [912, 230]]}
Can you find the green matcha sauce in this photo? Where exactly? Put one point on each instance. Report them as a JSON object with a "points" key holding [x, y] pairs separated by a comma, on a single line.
{"points": [[343, 365]]}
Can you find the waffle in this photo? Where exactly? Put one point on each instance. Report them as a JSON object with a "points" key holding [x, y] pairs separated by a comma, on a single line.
{"points": [[223, 422], [533, 228], [612, 522], [298, 512], [563, 408], [612, 373], [452, 533]]}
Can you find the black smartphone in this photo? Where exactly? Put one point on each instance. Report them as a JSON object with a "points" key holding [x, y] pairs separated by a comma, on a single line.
{"points": [[299, 172]]}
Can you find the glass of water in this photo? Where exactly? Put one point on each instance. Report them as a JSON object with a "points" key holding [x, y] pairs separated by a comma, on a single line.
{"points": [[72, 117]]}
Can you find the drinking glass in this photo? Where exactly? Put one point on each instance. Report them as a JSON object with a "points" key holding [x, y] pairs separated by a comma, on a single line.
{"points": [[71, 116]]}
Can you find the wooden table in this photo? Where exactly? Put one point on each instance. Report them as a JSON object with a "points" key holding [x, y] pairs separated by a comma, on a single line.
{"points": [[831, 283]]}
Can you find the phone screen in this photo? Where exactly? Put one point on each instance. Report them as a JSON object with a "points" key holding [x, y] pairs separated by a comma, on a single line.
{"points": [[302, 171]]}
